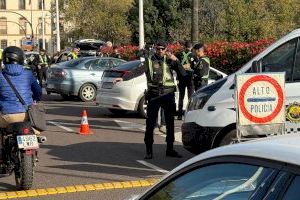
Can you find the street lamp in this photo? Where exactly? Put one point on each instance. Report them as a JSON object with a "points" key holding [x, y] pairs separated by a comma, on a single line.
{"points": [[32, 36], [57, 27], [36, 31]]}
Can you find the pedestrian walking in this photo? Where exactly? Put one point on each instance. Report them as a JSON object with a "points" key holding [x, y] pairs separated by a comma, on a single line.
{"points": [[200, 65], [185, 82], [43, 64], [160, 94]]}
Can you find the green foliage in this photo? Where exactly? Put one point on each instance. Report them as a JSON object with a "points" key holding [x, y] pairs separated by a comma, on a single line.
{"points": [[164, 19], [230, 20], [103, 19]]}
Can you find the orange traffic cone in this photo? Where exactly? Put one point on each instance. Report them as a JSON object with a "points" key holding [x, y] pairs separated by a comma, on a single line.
{"points": [[84, 126]]}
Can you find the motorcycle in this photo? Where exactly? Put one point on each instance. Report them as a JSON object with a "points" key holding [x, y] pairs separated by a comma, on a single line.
{"points": [[20, 153]]}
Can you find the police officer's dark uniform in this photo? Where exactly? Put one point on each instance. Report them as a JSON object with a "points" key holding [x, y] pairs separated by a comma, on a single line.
{"points": [[160, 93], [43, 64], [185, 82], [200, 66]]}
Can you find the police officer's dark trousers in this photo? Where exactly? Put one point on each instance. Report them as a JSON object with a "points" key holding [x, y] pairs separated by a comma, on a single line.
{"points": [[42, 75], [167, 102], [184, 83]]}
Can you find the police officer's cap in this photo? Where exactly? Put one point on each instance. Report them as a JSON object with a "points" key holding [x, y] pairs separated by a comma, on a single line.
{"points": [[198, 46], [161, 44]]}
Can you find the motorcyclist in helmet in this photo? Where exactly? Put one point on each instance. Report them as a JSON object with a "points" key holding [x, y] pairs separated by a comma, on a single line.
{"points": [[11, 109]]}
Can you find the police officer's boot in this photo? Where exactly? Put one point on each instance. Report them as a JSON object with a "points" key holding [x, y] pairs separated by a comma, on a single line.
{"points": [[171, 152], [148, 152]]}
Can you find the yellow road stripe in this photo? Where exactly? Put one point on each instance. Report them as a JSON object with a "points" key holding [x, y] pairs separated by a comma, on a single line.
{"points": [[78, 188]]}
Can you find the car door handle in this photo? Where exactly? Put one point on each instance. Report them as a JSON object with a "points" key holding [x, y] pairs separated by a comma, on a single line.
{"points": [[93, 74]]}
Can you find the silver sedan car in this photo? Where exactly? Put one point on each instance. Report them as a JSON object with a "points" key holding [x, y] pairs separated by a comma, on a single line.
{"points": [[79, 77], [261, 169]]}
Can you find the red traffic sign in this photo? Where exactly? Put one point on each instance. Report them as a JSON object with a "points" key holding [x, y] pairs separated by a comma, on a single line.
{"points": [[260, 99]]}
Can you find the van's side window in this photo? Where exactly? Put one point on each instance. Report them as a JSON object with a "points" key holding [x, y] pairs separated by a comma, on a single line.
{"points": [[281, 59], [297, 65]]}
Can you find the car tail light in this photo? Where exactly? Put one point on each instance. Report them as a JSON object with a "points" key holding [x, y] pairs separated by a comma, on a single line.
{"points": [[25, 131], [60, 74]]}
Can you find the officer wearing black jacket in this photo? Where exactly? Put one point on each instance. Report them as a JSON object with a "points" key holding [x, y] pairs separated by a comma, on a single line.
{"points": [[160, 93], [185, 82], [200, 65]]}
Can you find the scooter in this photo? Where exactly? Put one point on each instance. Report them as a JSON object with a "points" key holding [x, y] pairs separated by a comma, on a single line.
{"points": [[20, 153]]}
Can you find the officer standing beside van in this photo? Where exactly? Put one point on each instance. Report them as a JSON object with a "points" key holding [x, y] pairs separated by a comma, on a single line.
{"points": [[200, 64], [185, 82], [160, 93]]}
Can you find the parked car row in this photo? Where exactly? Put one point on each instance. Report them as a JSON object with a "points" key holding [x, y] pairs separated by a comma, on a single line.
{"points": [[79, 77], [122, 97]]}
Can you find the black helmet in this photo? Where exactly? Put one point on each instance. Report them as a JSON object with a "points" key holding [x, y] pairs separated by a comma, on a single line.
{"points": [[13, 55]]}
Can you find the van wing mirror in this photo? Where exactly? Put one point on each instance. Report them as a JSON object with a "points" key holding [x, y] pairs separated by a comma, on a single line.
{"points": [[256, 67]]}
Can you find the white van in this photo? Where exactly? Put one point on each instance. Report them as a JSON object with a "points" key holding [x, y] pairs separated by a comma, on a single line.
{"points": [[210, 120]]}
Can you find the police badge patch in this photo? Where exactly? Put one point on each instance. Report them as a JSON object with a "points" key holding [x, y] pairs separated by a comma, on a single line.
{"points": [[293, 112]]}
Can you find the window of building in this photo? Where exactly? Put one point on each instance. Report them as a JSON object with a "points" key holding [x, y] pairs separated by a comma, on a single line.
{"points": [[22, 23], [3, 4], [3, 25], [40, 4], [3, 44], [22, 4]]}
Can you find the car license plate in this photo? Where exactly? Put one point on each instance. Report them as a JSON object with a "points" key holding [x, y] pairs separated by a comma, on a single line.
{"points": [[107, 85], [27, 142]]}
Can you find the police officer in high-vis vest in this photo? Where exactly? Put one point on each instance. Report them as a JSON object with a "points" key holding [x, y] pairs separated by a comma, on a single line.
{"points": [[185, 82], [43, 64], [161, 93], [200, 65], [73, 54]]}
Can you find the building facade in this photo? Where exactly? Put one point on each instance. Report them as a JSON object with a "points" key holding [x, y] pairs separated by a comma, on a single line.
{"points": [[22, 19]]}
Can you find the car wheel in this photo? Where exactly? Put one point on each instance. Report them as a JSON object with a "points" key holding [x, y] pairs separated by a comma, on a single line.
{"points": [[87, 92], [229, 138], [117, 111], [143, 107]]}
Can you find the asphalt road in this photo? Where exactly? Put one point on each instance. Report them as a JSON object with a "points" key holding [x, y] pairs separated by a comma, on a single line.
{"points": [[113, 153]]}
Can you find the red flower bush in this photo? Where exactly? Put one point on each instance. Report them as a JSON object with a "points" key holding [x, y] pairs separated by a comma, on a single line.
{"points": [[225, 56]]}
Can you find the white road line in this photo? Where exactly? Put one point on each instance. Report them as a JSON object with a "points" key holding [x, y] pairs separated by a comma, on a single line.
{"points": [[60, 126], [103, 127], [177, 135], [152, 166]]}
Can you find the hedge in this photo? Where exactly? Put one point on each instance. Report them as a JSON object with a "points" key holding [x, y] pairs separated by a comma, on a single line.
{"points": [[225, 56]]}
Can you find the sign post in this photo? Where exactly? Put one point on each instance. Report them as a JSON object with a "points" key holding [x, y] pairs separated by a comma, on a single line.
{"points": [[260, 104]]}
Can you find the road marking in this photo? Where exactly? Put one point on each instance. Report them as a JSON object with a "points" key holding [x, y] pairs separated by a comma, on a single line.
{"points": [[152, 166], [177, 135], [92, 126], [60, 126], [78, 188]]}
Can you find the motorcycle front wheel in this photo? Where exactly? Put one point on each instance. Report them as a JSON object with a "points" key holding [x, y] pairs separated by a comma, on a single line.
{"points": [[24, 175]]}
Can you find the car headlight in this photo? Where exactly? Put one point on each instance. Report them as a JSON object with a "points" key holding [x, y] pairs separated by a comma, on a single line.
{"points": [[198, 101]]}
